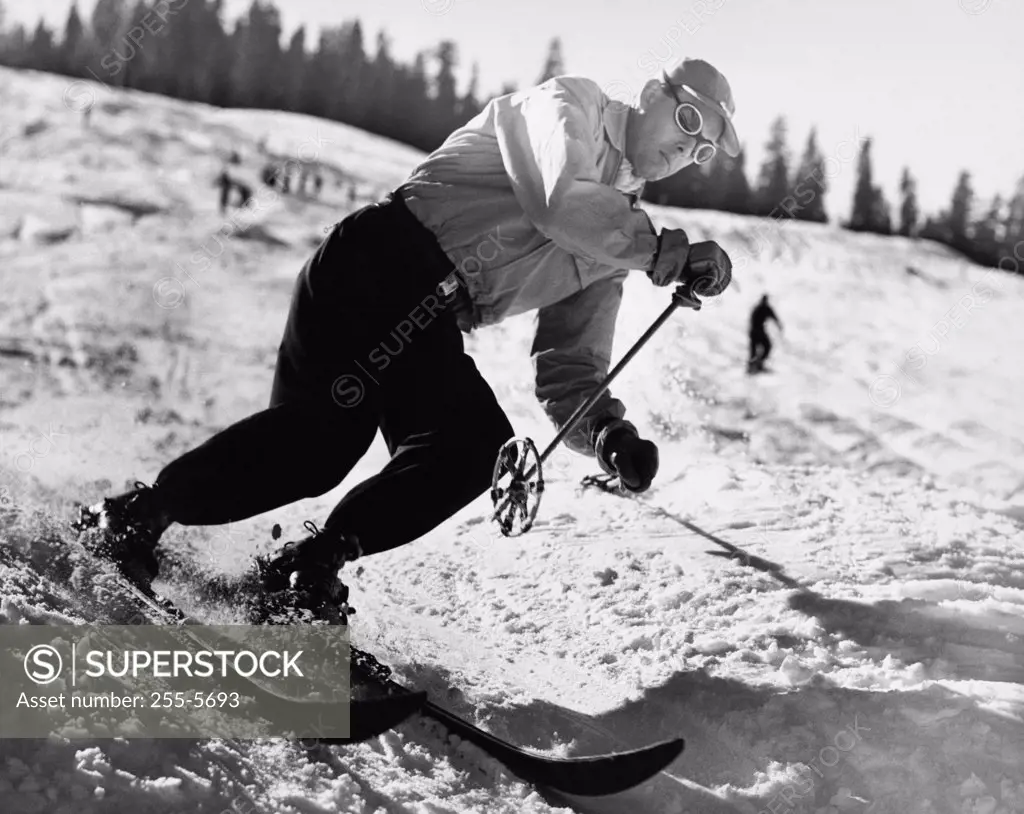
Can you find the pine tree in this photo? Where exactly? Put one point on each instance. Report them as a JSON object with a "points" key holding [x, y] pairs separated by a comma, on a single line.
{"points": [[960, 213], [319, 77], [811, 185], [108, 23], [256, 72], [553, 65], [42, 52], [909, 212], [221, 61], [148, 64], [870, 212], [351, 99], [468, 104], [737, 196], [718, 173], [293, 68], [14, 47], [446, 98], [773, 181], [190, 51], [72, 54], [382, 114], [1013, 225], [988, 234], [863, 193], [936, 228], [6, 43], [881, 217], [116, 58], [414, 96]]}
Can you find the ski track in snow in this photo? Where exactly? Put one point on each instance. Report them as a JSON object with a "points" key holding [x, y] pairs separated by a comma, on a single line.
{"points": [[822, 593]]}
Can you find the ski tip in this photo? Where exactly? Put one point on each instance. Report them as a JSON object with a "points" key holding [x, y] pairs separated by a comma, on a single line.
{"points": [[617, 772], [669, 750], [659, 755]]}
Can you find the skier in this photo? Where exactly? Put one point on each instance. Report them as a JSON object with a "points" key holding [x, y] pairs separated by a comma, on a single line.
{"points": [[227, 183], [760, 342], [529, 206], [224, 183]]}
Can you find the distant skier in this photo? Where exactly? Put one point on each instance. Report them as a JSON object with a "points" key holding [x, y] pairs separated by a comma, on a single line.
{"points": [[225, 185], [529, 206], [760, 342], [269, 175]]}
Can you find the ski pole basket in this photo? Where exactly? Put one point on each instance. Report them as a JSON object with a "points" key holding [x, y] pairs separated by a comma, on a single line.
{"points": [[517, 485]]}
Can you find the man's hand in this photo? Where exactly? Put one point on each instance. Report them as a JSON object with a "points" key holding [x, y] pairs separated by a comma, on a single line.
{"points": [[670, 258], [704, 264], [709, 268], [630, 457]]}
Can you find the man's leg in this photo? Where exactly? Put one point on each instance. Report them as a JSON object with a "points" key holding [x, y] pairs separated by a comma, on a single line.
{"points": [[267, 460], [757, 340], [270, 459], [443, 427]]}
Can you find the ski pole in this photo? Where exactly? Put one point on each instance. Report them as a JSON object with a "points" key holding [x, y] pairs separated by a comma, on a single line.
{"points": [[520, 489]]}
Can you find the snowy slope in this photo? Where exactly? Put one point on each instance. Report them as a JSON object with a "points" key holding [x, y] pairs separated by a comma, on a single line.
{"points": [[862, 652]]}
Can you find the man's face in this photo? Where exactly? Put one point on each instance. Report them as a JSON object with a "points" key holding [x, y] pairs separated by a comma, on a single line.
{"points": [[655, 145]]}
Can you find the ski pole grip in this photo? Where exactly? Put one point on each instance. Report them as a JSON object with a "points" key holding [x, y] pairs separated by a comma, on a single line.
{"points": [[684, 296]]}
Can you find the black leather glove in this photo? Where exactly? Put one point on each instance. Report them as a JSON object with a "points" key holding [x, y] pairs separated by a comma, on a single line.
{"points": [[670, 258], [709, 267], [622, 452]]}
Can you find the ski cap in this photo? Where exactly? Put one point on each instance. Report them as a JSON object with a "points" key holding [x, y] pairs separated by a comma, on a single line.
{"points": [[705, 82]]}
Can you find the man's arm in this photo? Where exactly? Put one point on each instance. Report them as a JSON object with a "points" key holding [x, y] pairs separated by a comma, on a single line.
{"points": [[550, 138], [572, 355]]}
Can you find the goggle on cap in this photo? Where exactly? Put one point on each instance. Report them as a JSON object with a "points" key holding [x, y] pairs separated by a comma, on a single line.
{"points": [[705, 82]]}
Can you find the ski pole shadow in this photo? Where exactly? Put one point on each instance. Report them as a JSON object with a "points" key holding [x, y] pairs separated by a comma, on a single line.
{"points": [[956, 646], [731, 551], [734, 552]]}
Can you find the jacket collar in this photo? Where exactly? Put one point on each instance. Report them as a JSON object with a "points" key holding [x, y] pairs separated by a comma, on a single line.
{"points": [[616, 116]]}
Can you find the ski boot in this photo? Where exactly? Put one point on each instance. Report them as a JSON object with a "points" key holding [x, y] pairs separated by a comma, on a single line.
{"points": [[125, 530], [303, 576]]}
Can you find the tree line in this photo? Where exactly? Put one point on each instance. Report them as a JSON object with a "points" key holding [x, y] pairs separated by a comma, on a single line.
{"points": [[182, 48], [986, 232]]}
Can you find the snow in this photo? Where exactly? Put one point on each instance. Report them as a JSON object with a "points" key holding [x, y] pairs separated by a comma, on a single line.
{"points": [[822, 592]]}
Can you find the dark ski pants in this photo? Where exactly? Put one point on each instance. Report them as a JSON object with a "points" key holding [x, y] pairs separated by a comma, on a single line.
{"points": [[760, 347], [370, 343]]}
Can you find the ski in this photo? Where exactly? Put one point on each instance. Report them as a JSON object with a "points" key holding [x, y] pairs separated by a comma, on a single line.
{"points": [[589, 776]]}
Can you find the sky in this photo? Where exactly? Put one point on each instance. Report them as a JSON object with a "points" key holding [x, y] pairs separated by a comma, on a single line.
{"points": [[937, 84]]}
